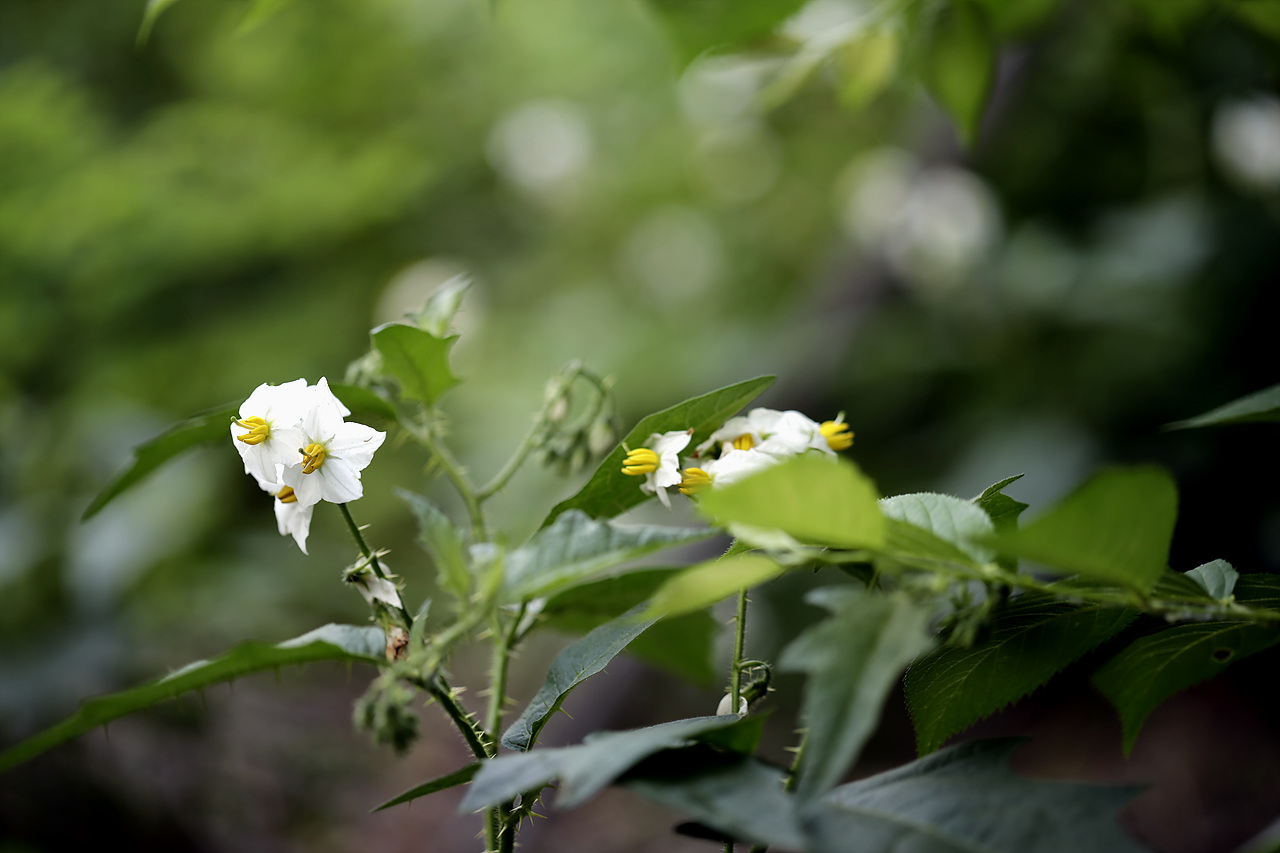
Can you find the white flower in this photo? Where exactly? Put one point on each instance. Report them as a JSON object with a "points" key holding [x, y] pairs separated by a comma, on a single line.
{"points": [[260, 432], [292, 517], [659, 462], [778, 434], [372, 587], [726, 703], [330, 454], [738, 464]]}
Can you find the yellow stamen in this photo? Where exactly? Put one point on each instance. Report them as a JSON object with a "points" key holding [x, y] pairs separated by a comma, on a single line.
{"points": [[744, 442], [258, 430], [640, 461], [287, 496], [838, 435], [312, 457], [695, 480]]}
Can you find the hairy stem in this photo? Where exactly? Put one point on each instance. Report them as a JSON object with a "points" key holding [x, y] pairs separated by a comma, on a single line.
{"points": [[454, 471], [739, 636]]}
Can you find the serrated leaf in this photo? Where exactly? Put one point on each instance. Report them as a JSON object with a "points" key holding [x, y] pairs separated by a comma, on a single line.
{"points": [[330, 642], [583, 770], [1002, 509], [957, 522], [1032, 637], [865, 65], [443, 543], [1217, 577], [966, 799], [1261, 405], [811, 498], [204, 428], [852, 661], [702, 26], [609, 492], [574, 665], [461, 776], [577, 548], [1116, 527], [1152, 669], [417, 360], [959, 63], [682, 644], [1173, 584], [437, 315], [1259, 590], [704, 584]]}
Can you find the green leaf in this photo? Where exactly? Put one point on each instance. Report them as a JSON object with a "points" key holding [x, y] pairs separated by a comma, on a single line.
{"points": [[330, 642], [682, 644], [959, 63], [865, 65], [571, 667], [461, 776], [437, 315], [211, 426], [966, 799], [702, 26], [1002, 509], [1116, 527], [852, 661], [364, 404], [1261, 405], [1032, 637], [735, 794], [1173, 584], [1218, 578], [959, 523], [1154, 668], [1259, 591], [576, 548], [583, 770], [809, 497], [704, 584], [609, 492], [443, 542], [418, 360]]}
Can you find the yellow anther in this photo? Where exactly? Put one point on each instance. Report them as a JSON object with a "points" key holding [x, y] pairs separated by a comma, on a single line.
{"points": [[287, 496], [312, 457], [744, 442], [838, 435], [694, 480], [258, 430], [640, 461]]}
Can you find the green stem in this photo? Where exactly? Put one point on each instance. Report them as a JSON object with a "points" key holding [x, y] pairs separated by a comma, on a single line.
{"points": [[481, 744], [739, 636], [453, 470], [365, 550], [498, 819]]}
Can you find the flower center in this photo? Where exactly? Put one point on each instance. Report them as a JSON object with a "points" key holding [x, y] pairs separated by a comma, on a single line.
{"points": [[695, 480], [312, 457], [640, 461], [287, 496], [258, 430], [838, 435], [744, 442]]}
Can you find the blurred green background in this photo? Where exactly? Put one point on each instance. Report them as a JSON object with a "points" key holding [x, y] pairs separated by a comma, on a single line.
{"points": [[241, 198]]}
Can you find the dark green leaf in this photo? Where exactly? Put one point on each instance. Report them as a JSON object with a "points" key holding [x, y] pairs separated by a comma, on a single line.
{"points": [[571, 667], [1218, 578], [609, 492], [1116, 527], [577, 548], [682, 644], [461, 776], [966, 799], [585, 769], [1032, 637], [330, 642], [811, 498], [1173, 584], [418, 360], [1261, 590], [364, 404], [701, 26], [208, 427], [959, 63], [852, 661], [1154, 668], [1261, 405], [736, 794], [959, 523], [443, 542], [704, 584], [1002, 509]]}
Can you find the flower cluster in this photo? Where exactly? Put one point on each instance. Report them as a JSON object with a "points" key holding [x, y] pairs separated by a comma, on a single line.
{"points": [[295, 442], [744, 445]]}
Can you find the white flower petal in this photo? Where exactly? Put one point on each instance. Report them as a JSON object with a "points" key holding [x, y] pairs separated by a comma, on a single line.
{"points": [[294, 519]]}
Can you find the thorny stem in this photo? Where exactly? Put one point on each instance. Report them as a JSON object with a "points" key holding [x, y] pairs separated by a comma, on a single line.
{"points": [[372, 556], [482, 746], [739, 635], [453, 470], [498, 820]]}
